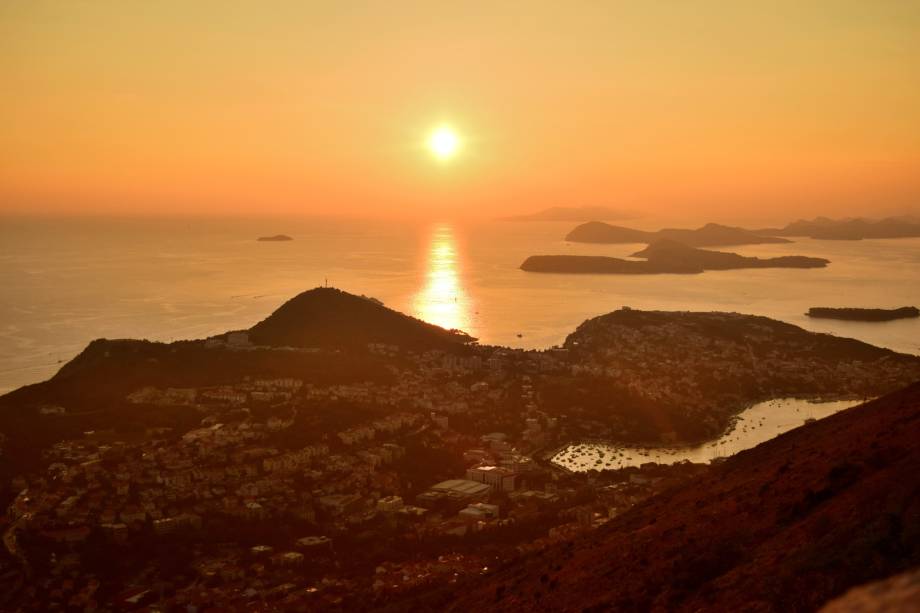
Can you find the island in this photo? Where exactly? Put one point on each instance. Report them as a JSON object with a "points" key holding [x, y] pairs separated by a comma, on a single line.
{"points": [[710, 235], [664, 257], [824, 228], [603, 265], [854, 314], [277, 238]]}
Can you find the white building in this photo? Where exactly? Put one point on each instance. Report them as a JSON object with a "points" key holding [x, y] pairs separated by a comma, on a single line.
{"points": [[500, 478]]}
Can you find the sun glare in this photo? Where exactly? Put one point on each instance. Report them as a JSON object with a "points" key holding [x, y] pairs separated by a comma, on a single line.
{"points": [[443, 143], [443, 301]]}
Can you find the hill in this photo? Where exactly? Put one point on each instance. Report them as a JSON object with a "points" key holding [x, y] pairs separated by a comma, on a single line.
{"points": [[710, 235], [600, 232], [761, 336], [785, 526], [328, 317], [630, 360]]}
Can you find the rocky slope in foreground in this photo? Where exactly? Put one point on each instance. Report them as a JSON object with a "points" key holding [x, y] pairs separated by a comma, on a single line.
{"points": [[785, 526]]}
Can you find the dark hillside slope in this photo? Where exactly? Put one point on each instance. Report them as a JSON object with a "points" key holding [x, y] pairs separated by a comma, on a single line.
{"points": [[92, 387], [785, 526]]}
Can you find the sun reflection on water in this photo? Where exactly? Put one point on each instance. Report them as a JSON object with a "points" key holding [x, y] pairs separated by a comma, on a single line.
{"points": [[443, 300]]}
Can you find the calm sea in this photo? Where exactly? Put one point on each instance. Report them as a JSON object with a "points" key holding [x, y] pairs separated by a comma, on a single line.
{"points": [[66, 282]]}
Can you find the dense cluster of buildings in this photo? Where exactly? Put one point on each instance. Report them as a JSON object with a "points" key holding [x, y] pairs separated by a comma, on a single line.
{"points": [[291, 497], [235, 470], [699, 369]]}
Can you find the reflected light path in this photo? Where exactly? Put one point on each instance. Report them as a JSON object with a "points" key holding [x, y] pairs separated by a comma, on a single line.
{"points": [[443, 300]]}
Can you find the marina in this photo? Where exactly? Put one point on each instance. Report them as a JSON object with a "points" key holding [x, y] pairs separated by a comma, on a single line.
{"points": [[753, 426]]}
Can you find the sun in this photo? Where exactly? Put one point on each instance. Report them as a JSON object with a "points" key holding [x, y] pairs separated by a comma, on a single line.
{"points": [[443, 143]]}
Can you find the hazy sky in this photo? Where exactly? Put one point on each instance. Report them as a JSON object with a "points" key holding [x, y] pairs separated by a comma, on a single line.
{"points": [[736, 109]]}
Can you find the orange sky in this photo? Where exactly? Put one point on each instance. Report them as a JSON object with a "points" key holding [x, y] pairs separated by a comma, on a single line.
{"points": [[738, 110]]}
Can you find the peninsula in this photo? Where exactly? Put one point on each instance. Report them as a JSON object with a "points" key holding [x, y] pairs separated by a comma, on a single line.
{"points": [[326, 442], [661, 257], [710, 235], [277, 238], [853, 314]]}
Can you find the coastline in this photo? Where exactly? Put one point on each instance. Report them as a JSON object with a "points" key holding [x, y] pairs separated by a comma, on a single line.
{"points": [[687, 446]]}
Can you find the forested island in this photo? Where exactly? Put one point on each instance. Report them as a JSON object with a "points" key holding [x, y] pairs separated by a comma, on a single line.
{"points": [[276, 238], [664, 256], [854, 314]]}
